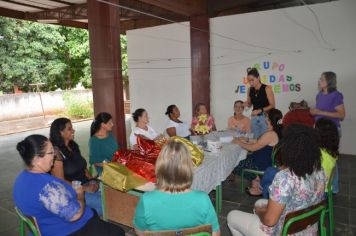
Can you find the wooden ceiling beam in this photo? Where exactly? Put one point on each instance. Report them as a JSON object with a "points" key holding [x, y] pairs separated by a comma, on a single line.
{"points": [[25, 5], [72, 23], [12, 13], [183, 7], [78, 11]]}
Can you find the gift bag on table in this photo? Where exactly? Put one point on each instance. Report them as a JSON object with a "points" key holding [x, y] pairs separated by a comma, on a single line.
{"points": [[119, 177]]}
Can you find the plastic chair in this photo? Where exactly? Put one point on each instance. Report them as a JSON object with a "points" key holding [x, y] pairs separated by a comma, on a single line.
{"points": [[201, 230], [30, 222], [298, 221], [330, 203], [258, 172], [91, 169]]}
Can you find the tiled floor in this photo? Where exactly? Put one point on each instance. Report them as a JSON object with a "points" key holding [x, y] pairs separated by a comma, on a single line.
{"points": [[345, 201]]}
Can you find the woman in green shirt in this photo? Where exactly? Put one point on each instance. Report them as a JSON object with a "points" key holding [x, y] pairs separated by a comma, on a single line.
{"points": [[102, 144], [174, 205]]}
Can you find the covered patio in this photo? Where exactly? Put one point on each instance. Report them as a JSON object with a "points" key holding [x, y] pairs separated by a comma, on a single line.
{"points": [[106, 20]]}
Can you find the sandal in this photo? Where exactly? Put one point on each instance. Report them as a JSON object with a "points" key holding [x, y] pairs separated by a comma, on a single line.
{"points": [[247, 190]]}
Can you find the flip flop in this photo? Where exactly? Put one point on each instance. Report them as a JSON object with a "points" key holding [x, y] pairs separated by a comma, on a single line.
{"points": [[247, 190]]}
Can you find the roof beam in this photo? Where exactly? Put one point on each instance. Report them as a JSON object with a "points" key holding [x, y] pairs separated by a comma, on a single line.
{"points": [[12, 13], [182, 7], [63, 2], [25, 5], [72, 23], [63, 13]]}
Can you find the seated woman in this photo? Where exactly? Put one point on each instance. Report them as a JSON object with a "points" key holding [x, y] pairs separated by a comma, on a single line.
{"points": [[200, 109], [69, 164], [140, 116], [58, 208], [298, 113], [238, 120], [329, 147], [260, 159], [176, 127], [102, 144], [329, 144], [299, 185], [174, 205]]}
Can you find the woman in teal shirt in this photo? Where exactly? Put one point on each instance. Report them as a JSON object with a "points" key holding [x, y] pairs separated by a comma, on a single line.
{"points": [[174, 205], [102, 144]]}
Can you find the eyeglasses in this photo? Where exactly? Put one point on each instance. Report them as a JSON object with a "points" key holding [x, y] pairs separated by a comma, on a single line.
{"points": [[51, 153]]}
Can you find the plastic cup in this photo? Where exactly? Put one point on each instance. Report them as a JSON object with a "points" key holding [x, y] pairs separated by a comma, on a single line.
{"points": [[76, 184]]}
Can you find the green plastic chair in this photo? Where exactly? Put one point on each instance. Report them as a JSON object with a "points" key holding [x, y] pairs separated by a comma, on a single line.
{"points": [[28, 221], [300, 220], [258, 172], [92, 170], [201, 230], [330, 203]]}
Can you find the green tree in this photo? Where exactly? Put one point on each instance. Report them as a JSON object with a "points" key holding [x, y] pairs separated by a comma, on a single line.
{"points": [[28, 53], [57, 56]]}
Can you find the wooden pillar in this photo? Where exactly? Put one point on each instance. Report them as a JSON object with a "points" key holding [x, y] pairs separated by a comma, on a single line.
{"points": [[200, 59], [105, 55]]}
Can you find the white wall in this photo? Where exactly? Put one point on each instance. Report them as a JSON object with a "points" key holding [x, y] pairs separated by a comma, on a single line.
{"points": [[154, 89], [22, 105], [276, 35]]}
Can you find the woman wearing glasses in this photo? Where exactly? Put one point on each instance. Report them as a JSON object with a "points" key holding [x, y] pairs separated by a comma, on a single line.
{"points": [[58, 208]]}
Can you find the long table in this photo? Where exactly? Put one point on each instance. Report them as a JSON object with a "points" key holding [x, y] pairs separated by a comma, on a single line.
{"points": [[215, 168]]}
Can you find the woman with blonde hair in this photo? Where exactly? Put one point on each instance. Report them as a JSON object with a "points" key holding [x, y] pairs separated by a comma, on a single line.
{"points": [[174, 205]]}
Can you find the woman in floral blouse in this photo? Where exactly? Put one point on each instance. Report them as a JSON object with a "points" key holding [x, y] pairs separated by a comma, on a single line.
{"points": [[298, 185]]}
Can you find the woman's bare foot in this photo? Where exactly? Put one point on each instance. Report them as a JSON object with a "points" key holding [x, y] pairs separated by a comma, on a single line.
{"points": [[255, 183]]}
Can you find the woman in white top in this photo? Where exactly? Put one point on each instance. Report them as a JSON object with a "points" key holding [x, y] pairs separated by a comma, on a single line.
{"points": [[140, 116], [176, 127]]}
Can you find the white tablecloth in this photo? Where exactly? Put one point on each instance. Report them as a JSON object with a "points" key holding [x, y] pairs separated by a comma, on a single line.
{"points": [[216, 167]]}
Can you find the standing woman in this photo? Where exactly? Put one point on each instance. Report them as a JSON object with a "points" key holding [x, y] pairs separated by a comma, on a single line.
{"points": [[176, 127], [70, 165], [261, 97], [102, 144], [330, 104]]}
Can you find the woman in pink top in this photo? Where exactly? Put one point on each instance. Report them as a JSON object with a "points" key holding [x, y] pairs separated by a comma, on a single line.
{"points": [[238, 120], [200, 109]]}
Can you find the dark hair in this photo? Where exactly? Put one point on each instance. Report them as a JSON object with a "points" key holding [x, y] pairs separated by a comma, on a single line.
{"points": [[328, 136], [32, 146], [330, 78], [238, 101], [253, 72], [169, 110], [275, 116], [300, 150], [138, 113], [55, 136], [102, 117]]}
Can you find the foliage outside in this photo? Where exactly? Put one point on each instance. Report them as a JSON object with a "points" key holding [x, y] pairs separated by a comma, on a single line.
{"points": [[78, 106], [57, 56]]}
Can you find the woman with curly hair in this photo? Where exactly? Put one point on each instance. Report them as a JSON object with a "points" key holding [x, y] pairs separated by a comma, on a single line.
{"points": [[299, 185]]}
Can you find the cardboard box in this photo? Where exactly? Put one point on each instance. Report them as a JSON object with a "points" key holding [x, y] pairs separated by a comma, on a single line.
{"points": [[118, 206]]}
